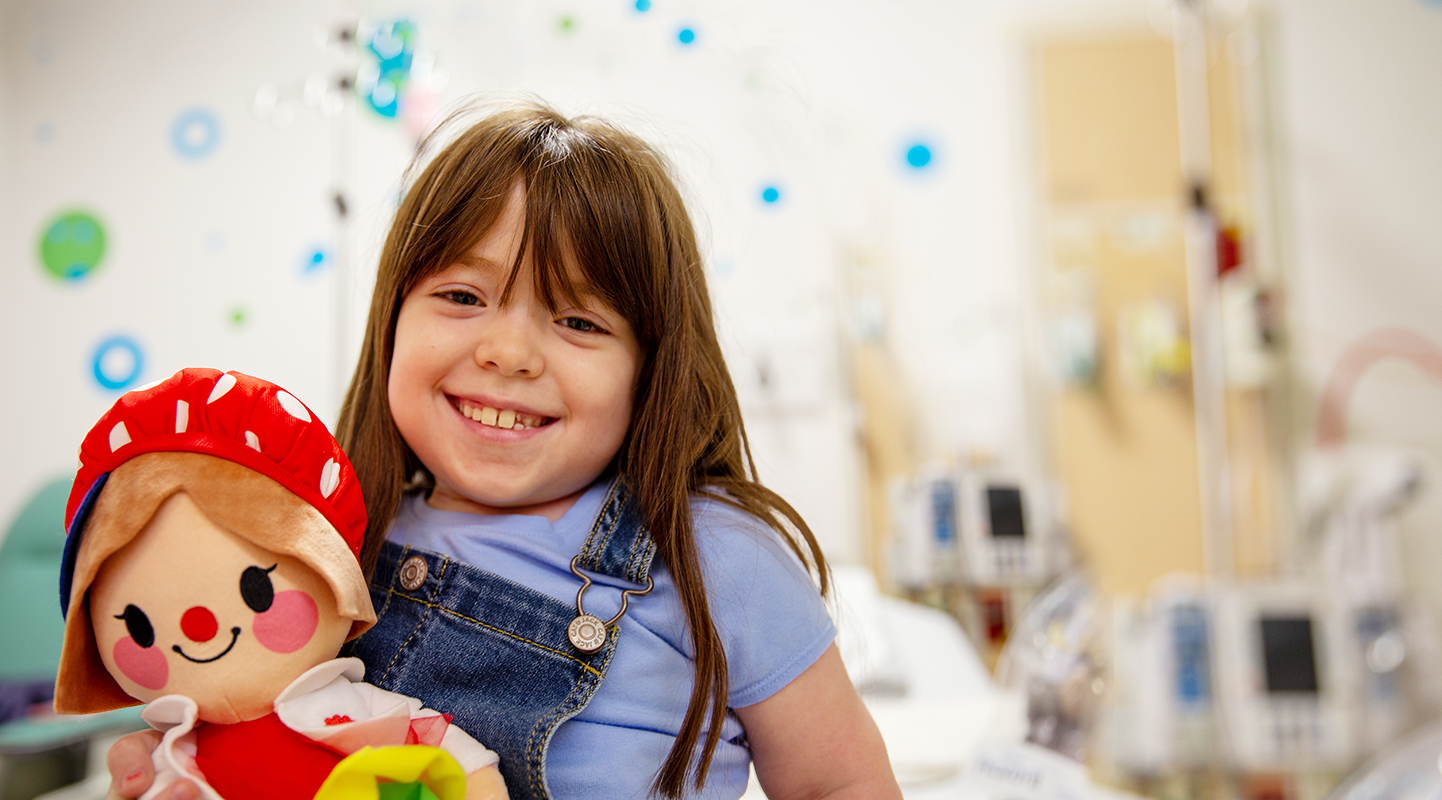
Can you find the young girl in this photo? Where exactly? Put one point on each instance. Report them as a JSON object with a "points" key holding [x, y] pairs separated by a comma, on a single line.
{"points": [[541, 412]]}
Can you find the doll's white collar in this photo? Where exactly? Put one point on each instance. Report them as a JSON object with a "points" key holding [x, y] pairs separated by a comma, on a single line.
{"points": [[322, 674], [171, 710]]}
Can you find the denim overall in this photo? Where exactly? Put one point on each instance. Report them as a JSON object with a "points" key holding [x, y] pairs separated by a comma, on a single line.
{"points": [[492, 653]]}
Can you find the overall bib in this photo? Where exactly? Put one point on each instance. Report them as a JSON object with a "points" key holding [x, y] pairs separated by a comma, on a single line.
{"points": [[492, 653]]}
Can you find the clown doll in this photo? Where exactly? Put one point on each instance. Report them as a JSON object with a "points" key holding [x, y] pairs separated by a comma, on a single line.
{"points": [[211, 570]]}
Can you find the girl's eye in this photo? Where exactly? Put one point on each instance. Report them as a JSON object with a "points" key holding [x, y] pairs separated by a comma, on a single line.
{"points": [[582, 324], [460, 297], [256, 589], [138, 626]]}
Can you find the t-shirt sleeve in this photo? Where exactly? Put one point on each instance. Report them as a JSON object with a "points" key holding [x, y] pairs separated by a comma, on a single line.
{"points": [[768, 610]]}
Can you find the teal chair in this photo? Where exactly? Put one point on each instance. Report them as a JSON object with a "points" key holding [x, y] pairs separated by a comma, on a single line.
{"points": [[42, 753]]}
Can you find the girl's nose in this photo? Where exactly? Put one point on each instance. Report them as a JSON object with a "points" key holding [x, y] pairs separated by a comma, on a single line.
{"points": [[198, 624], [509, 346]]}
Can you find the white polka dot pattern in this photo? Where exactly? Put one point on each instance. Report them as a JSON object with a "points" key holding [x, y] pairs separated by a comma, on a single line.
{"points": [[225, 384], [182, 416], [329, 478], [293, 406], [119, 436], [252, 441]]}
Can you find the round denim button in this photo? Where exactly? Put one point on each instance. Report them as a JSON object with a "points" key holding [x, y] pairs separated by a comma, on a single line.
{"points": [[413, 573]]}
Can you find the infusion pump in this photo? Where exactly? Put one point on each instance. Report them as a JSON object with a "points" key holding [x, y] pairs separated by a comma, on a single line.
{"points": [[1284, 677], [1265, 676], [1003, 538], [981, 528]]}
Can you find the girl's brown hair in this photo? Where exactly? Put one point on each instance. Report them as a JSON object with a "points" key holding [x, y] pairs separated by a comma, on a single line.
{"points": [[603, 218]]}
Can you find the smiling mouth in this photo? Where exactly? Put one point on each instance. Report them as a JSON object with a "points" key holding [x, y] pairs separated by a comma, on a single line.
{"points": [[504, 418], [234, 635]]}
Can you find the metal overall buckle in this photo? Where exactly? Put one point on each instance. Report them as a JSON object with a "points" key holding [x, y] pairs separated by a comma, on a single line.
{"points": [[588, 633]]}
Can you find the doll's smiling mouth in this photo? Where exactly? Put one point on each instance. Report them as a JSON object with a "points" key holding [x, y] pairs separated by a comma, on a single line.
{"points": [[234, 636]]}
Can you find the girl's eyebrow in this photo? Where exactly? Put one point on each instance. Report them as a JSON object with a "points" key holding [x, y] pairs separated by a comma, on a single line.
{"points": [[479, 264]]}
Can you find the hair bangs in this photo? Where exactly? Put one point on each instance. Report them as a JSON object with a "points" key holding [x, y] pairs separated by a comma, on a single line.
{"points": [[592, 217]]}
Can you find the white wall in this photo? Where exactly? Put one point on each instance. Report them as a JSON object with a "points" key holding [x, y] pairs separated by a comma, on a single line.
{"points": [[818, 100], [1360, 124]]}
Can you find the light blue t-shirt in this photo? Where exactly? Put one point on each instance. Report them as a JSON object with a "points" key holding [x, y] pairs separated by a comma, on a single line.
{"points": [[767, 610]]}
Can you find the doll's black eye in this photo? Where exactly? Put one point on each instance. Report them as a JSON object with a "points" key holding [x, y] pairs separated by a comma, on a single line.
{"points": [[138, 626], [256, 589]]}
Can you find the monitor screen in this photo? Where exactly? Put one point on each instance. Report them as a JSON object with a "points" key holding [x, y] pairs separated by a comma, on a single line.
{"points": [[1003, 505], [1288, 655]]}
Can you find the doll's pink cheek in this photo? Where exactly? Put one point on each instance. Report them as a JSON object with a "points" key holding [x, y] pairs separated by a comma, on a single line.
{"points": [[288, 624], [144, 665]]}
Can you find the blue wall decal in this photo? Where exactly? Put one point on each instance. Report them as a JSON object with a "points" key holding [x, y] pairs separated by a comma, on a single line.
{"points": [[315, 259], [393, 46], [770, 195], [118, 363], [195, 133], [918, 156], [686, 36]]}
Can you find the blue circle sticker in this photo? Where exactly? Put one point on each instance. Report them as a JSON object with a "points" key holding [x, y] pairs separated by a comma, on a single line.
{"points": [[643, 5], [314, 260], [686, 36], [770, 194], [195, 133], [118, 363], [918, 155]]}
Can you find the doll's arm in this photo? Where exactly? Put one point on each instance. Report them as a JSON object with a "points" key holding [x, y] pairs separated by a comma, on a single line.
{"points": [[486, 784], [815, 738]]}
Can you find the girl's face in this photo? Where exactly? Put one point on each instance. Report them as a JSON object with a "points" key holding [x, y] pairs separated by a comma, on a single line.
{"points": [[513, 409], [189, 608]]}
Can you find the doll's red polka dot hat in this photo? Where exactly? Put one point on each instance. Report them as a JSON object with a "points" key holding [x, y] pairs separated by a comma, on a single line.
{"points": [[236, 417]]}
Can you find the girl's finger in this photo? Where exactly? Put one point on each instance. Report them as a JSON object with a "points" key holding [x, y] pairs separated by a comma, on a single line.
{"points": [[131, 770]]}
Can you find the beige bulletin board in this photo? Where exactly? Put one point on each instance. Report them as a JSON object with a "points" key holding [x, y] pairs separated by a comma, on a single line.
{"points": [[1112, 205]]}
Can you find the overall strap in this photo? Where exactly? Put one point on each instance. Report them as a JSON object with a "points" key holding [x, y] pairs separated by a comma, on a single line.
{"points": [[619, 544]]}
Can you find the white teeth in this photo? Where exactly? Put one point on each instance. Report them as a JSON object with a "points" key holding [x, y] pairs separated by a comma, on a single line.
{"points": [[494, 417]]}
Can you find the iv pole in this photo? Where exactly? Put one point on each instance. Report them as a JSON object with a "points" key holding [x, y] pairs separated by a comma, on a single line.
{"points": [[1204, 308]]}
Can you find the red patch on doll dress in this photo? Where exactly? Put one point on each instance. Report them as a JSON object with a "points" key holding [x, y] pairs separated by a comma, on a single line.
{"points": [[428, 730], [262, 758]]}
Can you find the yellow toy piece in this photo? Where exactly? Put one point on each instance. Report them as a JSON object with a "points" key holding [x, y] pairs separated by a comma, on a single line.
{"points": [[361, 775]]}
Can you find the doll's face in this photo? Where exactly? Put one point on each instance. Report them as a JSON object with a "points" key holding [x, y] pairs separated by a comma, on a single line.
{"points": [[189, 608]]}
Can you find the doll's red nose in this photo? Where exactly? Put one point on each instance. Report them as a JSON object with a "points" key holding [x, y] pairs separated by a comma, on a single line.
{"points": [[198, 624]]}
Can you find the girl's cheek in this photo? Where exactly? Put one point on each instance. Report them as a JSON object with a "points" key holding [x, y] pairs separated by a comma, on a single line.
{"points": [[144, 665], [288, 624]]}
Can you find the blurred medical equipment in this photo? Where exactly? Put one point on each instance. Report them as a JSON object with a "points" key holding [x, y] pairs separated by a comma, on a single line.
{"points": [[1408, 770], [1055, 660], [978, 541], [1288, 677], [1282, 677]]}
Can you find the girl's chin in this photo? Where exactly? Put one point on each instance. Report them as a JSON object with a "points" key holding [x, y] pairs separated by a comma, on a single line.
{"points": [[445, 499]]}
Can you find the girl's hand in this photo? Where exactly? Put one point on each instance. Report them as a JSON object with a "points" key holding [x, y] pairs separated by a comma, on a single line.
{"points": [[132, 771], [486, 784], [815, 738]]}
